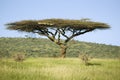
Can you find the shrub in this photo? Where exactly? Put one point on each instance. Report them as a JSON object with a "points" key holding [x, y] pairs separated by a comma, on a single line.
{"points": [[19, 57], [84, 57]]}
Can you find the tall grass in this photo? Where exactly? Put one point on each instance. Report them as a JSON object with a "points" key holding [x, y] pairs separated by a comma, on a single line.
{"points": [[59, 69]]}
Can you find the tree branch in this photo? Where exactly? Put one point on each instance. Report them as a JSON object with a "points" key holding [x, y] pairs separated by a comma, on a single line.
{"points": [[59, 37], [77, 34], [46, 33], [63, 33], [56, 32]]}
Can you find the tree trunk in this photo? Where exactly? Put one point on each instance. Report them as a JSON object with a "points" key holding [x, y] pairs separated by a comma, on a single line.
{"points": [[63, 50]]}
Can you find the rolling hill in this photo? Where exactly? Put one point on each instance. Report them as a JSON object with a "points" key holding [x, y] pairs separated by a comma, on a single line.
{"points": [[39, 47]]}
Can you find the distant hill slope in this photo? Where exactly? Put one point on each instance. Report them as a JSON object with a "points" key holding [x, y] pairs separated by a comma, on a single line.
{"points": [[45, 48]]}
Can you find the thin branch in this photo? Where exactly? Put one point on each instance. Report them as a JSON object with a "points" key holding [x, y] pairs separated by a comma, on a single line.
{"points": [[51, 38], [63, 33], [56, 32], [59, 37], [45, 33], [50, 33], [77, 34]]}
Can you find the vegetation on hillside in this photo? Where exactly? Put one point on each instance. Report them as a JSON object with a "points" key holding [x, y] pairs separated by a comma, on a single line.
{"points": [[37, 47]]}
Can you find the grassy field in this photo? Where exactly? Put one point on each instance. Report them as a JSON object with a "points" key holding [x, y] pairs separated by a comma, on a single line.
{"points": [[59, 69]]}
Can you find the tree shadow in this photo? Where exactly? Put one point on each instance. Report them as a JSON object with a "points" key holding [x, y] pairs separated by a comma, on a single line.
{"points": [[93, 64]]}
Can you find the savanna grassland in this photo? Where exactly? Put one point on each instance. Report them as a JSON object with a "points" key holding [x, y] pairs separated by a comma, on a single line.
{"points": [[42, 60], [59, 69]]}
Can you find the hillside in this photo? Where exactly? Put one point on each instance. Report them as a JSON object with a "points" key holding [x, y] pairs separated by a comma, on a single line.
{"points": [[45, 48]]}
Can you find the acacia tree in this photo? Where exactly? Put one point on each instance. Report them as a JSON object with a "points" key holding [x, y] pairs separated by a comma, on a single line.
{"points": [[55, 28]]}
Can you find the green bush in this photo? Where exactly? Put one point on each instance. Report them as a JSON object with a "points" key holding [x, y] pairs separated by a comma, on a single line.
{"points": [[84, 57], [19, 57]]}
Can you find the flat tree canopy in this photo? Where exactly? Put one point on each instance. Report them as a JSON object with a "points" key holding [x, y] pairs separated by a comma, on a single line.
{"points": [[55, 28], [32, 25]]}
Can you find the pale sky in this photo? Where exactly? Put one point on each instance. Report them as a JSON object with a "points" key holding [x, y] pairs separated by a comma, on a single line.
{"points": [[107, 11]]}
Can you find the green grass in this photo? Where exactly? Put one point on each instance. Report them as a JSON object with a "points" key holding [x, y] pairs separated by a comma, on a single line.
{"points": [[59, 69]]}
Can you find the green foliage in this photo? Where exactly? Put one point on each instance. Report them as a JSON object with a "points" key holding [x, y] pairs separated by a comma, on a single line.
{"points": [[31, 25], [45, 48]]}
